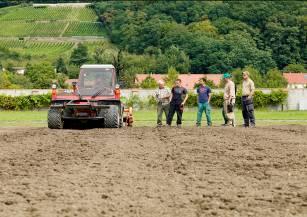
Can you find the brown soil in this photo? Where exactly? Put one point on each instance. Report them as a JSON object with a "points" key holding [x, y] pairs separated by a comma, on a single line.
{"points": [[154, 172]]}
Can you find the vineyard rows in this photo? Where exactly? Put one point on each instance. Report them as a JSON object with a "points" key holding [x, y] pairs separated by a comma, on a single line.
{"points": [[37, 48], [48, 13], [21, 21], [50, 29]]}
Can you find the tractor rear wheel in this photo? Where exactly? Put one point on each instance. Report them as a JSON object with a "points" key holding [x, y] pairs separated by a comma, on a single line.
{"points": [[113, 117], [55, 119]]}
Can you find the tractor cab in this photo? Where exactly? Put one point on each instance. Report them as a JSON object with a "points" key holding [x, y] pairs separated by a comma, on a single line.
{"points": [[97, 80]]}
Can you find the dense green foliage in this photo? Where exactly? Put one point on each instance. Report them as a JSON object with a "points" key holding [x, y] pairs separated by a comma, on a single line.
{"points": [[10, 80], [24, 102], [79, 55], [212, 36], [261, 100], [172, 76], [149, 83], [41, 75]]}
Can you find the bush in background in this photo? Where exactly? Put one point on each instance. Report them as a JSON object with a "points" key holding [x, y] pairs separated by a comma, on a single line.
{"points": [[25, 102], [261, 100], [149, 83]]}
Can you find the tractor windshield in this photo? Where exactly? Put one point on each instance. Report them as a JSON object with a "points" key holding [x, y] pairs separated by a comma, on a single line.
{"points": [[95, 82]]}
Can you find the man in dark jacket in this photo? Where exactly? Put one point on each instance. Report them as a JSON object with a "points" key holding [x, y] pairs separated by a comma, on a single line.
{"points": [[178, 99]]}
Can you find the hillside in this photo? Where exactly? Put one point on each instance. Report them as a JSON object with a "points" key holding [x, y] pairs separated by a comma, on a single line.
{"points": [[34, 34], [156, 36], [215, 36], [30, 21]]}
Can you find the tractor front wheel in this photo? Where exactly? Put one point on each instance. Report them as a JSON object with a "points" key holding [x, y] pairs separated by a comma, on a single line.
{"points": [[55, 119]]}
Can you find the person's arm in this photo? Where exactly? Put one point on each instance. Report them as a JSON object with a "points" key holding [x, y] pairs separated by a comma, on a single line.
{"points": [[185, 99], [252, 89], [157, 95], [186, 96], [171, 95], [197, 90], [209, 96], [168, 95], [232, 91]]}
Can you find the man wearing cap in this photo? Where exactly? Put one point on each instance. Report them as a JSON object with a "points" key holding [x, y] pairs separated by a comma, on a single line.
{"points": [[229, 101], [162, 95], [248, 90], [203, 99]]}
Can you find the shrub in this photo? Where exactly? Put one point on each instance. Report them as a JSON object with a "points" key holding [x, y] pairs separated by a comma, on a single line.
{"points": [[208, 83], [274, 79], [135, 102], [261, 100], [297, 68], [172, 76], [24, 102], [149, 83]]}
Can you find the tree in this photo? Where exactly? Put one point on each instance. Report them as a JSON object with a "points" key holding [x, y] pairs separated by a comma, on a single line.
{"points": [[208, 83], [118, 63], [284, 40], [98, 54], [172, 75], [254, 74], [297, 68], [20, 81], [203, 27], [61, 66], [41, 75], [274, 79], [79, 55], [149, 83], [4, 81], [173, 57], [243, 51], [61, 78]]}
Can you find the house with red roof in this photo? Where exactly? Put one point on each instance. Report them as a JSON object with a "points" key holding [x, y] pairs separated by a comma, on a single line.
{"points": [[296, 80], [188, 80]]}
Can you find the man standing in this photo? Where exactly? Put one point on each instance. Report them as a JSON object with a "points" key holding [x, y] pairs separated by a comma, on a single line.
{"points": [[163, 98], [204, 96], [177, 103], [229, 101], [248, 90]]}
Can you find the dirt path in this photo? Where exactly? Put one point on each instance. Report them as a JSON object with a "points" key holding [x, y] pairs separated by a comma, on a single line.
{"points": [[154, 172]]}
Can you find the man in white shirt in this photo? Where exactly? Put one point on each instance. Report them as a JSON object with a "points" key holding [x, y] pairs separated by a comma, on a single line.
{"points": [[229, 101], [162, 95], [248, 90]]}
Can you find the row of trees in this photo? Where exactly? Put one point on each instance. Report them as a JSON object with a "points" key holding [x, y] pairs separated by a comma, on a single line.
{"points": [[272, 79], [173, 62], [40, 75]]}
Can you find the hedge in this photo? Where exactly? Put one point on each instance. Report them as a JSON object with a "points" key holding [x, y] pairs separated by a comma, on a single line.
{"points": [[25, 102], [261, 100]]}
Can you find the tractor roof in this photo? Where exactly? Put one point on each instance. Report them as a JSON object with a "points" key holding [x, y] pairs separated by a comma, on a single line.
{"points": [[97, 66]]}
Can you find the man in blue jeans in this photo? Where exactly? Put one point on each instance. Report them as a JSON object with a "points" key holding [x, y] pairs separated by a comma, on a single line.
{"points": [[204, 96]]}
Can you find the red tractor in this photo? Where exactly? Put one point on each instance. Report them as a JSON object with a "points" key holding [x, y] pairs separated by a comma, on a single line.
{"points": [[94, 99]]}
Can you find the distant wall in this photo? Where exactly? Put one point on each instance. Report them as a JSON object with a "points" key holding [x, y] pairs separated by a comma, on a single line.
{"points": [[297, 98]]}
